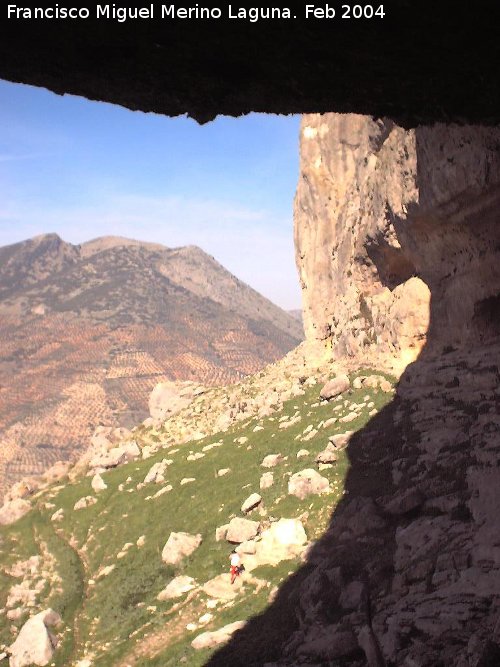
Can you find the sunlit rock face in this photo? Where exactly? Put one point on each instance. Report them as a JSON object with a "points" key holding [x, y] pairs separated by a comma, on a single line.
{"points": [[385, 217]]}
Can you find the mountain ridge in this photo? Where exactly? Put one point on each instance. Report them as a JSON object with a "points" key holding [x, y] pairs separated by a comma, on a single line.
{"points": [[87, 332]]}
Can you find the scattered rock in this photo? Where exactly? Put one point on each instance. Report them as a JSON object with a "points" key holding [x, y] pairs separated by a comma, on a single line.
{"points": [[251, 503], [178, 546], [241, 530], [176, 588], [187, 480], [115, 457], [98, 484], [341, 440], [328, 455], [272, 460], [350, 417], [335, 387], [248, 547], [58, 516], [195, 456], [86, 501], [105, 571], [221, 533], [267, 480], [12, 511], [223, 471], [156, 473], [307, 482], [165, 489], [302, 453], [35, 645]]}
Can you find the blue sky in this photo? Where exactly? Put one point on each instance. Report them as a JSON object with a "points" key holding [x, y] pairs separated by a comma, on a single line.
{"points": [[86, 169]]}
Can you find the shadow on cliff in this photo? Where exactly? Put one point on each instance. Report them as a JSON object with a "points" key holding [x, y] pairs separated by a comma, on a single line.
{"points": [[323, 614]]}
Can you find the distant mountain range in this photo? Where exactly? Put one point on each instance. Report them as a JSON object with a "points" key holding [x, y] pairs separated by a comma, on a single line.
{"points": [[87, 331]]}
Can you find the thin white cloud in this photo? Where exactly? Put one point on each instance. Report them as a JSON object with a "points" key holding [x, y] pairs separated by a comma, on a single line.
{"points": [[13, 157]]}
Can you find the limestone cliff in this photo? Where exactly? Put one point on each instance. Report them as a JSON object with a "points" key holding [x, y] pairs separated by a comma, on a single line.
{"points": [[383, 218], [398, 248]]}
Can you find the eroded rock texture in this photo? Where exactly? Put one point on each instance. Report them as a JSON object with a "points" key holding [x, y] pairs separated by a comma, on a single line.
{"points": [[384, 218], [396, 230]]}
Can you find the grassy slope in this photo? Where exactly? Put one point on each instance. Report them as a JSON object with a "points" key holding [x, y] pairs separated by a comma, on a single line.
{"points": [[100, 617]]}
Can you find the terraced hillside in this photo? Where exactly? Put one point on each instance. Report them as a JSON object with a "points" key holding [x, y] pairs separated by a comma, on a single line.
{"points": [[94, 549], [87, 331]]}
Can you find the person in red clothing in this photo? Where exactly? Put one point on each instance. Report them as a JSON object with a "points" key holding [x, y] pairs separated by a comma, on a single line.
{"points": [[236, 566]]}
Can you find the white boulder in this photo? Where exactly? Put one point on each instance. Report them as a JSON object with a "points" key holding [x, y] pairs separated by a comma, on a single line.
{"points": [[272, 460], [307, 482], [241, 530], [98, 484], [335, 387], [35, 645], [328, 455], [178, 546]]}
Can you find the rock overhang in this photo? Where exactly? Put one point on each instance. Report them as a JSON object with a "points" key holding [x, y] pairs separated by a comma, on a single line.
{"points": [[416, 65]]}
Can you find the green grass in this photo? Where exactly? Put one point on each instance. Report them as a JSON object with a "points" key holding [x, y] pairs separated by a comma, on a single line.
{"points": [[101, 616]]}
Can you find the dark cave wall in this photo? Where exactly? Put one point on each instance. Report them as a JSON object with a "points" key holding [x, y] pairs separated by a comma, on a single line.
{"points": [[418, 65]]}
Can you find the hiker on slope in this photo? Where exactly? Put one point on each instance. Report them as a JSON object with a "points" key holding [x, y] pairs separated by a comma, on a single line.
{"points": [[236, 566]]}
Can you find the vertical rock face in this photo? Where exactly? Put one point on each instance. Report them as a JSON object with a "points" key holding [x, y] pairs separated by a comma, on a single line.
{"points": [[384, 218], [398, 244]]}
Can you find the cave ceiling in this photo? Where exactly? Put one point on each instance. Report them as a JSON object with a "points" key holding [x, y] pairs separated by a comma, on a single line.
{"points": [[422, 63]]}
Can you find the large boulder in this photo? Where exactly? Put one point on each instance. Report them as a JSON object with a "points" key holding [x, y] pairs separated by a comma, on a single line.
{"points": [[241, 530], [35, 645], [328, 455], [211, 639], [284, 539], [178, 546], [12, 511], [335, 387], [168, 398], [98, 484], [116, 456], [306, 483]]}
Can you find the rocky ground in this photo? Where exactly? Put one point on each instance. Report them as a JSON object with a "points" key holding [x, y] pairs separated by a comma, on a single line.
{"points": [[148, 522]]}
